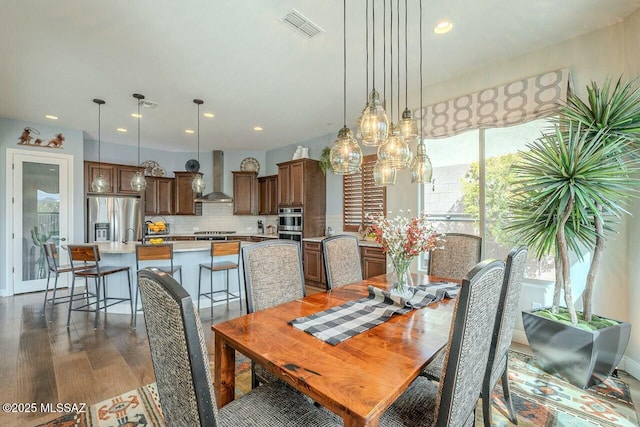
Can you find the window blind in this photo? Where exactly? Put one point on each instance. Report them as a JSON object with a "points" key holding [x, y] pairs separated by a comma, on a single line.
{"points": [[362, 196]]}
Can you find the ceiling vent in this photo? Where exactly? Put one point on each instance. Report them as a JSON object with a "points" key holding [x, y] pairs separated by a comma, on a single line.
{"points": [[301, 24], [148, 104]]}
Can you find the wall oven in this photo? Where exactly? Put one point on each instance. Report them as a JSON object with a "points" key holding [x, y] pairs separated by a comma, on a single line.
{"points": [[290, 235], [290, 219]]}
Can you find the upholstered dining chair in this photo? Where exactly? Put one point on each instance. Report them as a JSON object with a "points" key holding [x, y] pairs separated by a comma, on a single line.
{"points": [[452, 401], [341, 260], [461, 252], [498, 362], [183, 376], [272, 275]]}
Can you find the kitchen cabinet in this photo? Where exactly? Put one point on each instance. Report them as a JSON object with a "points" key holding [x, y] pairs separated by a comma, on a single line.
{"points": [[374, 261], [158, 196], [301, 183], [268, 195], [184, 195], [245, 188], [124, 175], [118, 177], [240, 238], [313, 266]]}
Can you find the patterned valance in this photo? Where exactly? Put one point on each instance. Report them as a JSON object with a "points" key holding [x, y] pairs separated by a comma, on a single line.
{"points": [[510, 104]]}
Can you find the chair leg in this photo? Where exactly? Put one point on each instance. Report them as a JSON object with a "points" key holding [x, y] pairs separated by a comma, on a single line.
{"points": [[227, 289], [53, 298], [133, 310], [95, 322], [199, 286], [507, 394], [239, 290], [180, 271], [46, 291], [211, 291], [254, 379], [73, 284], [104, 293]]}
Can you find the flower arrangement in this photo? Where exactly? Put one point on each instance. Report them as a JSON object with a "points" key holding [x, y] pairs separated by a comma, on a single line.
{"points": [[404, 238]]}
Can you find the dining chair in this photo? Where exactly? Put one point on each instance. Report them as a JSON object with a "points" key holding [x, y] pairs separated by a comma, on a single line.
{"points": [[183, 376], [341, 256], [146, 253], [498, 362], [220, 249], [55, 269], [91, 254], [272, 276], [461, 252], [452, 401]]}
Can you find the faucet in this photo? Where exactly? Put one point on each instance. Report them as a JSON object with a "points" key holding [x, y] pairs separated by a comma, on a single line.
{"points": [[125, 241]]}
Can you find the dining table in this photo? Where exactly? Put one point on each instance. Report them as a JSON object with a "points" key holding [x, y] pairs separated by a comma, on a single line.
{"points": [[357, 379]]}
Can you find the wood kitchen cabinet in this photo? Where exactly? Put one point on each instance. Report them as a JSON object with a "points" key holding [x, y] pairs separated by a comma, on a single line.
{"points": [[374, 261], [108, 171], [245, 189], [158, 196], [124, 175], [184, 195], [313, 266], [268, 195], [301, 183]]}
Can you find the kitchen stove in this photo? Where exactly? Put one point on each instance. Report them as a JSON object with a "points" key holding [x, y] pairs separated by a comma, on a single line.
{"points": [[212, 235], [214, 232]]}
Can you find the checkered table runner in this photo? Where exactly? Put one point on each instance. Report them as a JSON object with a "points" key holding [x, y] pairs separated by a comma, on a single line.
{"points": [[340, 323]]}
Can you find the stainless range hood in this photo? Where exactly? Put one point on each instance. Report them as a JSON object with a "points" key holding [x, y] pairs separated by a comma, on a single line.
{"points": [[216, 196]]}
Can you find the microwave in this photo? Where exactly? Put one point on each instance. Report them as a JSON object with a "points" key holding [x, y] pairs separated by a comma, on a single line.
{"points": [[290, 219]]}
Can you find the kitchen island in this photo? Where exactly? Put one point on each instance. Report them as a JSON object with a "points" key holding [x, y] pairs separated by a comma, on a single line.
{"points": [[188, 254]]}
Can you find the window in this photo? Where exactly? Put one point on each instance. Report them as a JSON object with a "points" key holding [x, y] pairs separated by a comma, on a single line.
{"points": [[362, 197], [470, 187]]}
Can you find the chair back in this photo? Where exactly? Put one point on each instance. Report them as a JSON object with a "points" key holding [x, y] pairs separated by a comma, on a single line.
{"points": [[508, 309], [469, 343], [341, 260], [460, 254], [150, 252], [272, 273], [231, 247], [178, 351], [51, 255]]}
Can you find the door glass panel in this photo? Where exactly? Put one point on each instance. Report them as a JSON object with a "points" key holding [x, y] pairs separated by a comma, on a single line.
{"points": [[40, 216]]}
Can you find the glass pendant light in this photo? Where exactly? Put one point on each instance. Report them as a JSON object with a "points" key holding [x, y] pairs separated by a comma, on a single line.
{"points": [[408, 126], [422, 169], [99, 184], [138, 182], [345, 155], [384, 173], [197, 185], [395, 151], [374, 125]]}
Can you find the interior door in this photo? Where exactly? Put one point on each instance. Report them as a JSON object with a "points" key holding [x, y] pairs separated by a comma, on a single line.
{"points": [[41, 212]]}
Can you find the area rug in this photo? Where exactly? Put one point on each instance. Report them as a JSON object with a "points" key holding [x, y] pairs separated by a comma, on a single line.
{"points": [[539, 400]]}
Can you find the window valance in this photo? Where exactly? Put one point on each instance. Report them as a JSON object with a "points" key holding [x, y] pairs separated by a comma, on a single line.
{"points": [[510, 104]]}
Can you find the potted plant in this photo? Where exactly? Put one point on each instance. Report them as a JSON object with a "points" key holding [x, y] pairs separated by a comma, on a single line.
{"points": [[324, 162], [572, 188]]}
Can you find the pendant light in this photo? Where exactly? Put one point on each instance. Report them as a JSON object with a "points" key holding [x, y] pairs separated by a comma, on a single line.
{"points": [[384, 173], [374, 123], [358, 134], [198, 185], [138, 182], [99, 184], [422, 169], [345, 155], [408, 126]]}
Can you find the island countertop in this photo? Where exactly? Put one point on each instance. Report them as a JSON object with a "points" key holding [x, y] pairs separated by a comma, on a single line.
{"points": [[130, 247]]}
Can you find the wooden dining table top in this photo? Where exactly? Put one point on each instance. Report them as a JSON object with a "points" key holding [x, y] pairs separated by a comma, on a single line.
{"points": [[356, 379]]}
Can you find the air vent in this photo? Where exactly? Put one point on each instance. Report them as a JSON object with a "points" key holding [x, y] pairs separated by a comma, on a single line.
{"points": [[148, 104], [301, 24]]}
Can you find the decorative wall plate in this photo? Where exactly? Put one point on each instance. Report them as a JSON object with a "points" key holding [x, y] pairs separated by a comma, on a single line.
{"points": [[192, 165], [158, 171], [148, 167], [250, 165]]}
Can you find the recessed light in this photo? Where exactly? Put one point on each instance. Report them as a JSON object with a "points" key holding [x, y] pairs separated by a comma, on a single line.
{"points": [[188, 131], [209, 115], [121, 129], [51, 117], [136, 115], [443, 27], [257, 128]]}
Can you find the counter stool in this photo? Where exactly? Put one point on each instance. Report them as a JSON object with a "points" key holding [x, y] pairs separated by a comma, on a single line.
{"points": [[51, 255], [91, 254], [152, 252], [219, 249]]}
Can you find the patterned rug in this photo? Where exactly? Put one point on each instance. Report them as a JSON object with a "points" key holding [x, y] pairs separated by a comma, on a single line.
{"points": [[539, 400]]}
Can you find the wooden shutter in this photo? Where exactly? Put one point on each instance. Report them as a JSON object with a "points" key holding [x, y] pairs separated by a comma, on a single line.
{"points": [[362, 196]]}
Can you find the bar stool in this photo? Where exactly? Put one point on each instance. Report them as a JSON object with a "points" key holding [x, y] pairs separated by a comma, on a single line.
{"points": [[51, 255], [221, 249], [151, 252], [91, 253]]}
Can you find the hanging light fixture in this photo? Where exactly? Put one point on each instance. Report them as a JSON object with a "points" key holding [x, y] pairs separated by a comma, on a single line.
{"points": [[422, 169], [345, 155], [197, 185], [138, 182], [384, 173], [374, 123], [99, 184], [358, 133], [408, 126]]}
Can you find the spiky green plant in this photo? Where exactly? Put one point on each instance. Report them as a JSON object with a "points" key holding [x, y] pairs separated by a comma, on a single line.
{"points": [[575, 181]]}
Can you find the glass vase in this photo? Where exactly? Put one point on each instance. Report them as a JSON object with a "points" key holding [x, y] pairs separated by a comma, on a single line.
{"points": [[403, 280]]}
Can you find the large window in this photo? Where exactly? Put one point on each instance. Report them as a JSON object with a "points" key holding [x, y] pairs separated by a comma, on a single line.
{"points": [[470, 187], [362, 197]]}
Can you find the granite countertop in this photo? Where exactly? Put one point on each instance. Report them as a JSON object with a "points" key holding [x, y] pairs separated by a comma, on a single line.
{"points": [[368, 243], [130, 247], [267, 236]]}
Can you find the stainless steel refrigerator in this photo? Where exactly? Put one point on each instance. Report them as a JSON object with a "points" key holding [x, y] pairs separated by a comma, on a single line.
{"points": [[114, 218]]}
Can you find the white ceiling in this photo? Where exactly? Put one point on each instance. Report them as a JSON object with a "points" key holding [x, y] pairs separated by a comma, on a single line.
{"points": [[239, 57]]}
